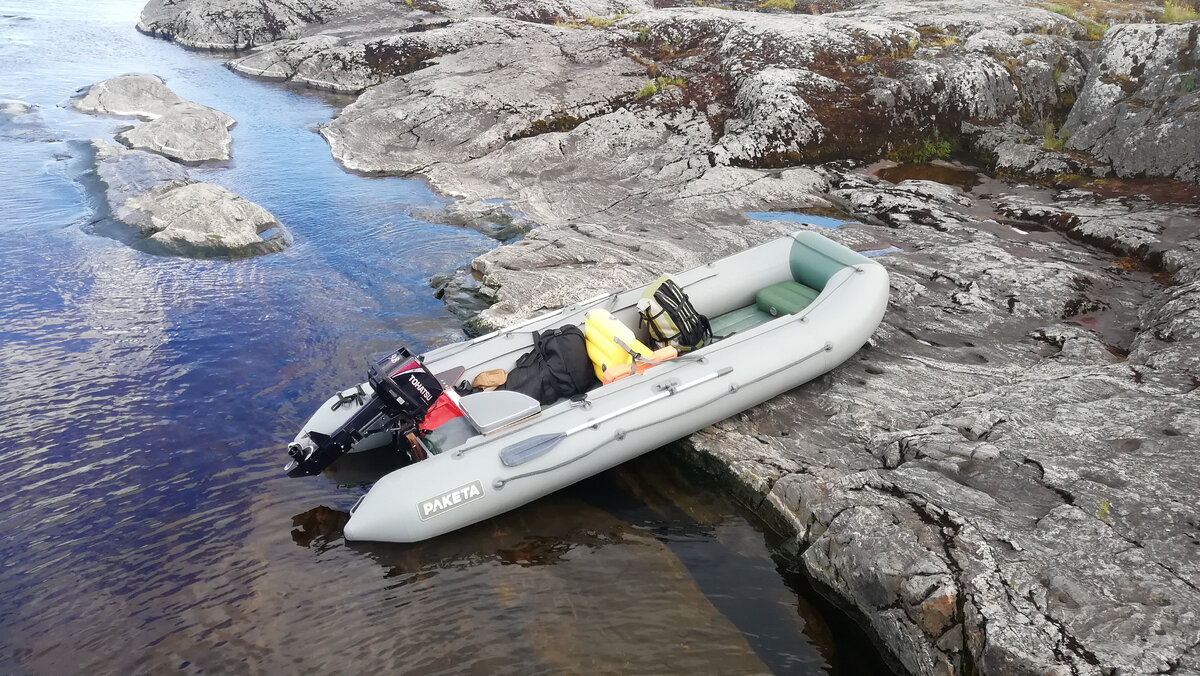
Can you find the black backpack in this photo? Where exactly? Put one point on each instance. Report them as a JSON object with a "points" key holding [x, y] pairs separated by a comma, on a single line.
{"points": [[558, 366], [668, 315]]}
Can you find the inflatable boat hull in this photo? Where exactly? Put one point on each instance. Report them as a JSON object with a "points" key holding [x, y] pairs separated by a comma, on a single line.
{"points": [[625, 419]]}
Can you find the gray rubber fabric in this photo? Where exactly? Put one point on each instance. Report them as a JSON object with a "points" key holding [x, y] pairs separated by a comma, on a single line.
{"points": [[524, 457], [489, 411]]}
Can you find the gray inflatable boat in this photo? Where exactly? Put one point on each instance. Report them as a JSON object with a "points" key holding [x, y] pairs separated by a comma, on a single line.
{"points": [[788, 310]]}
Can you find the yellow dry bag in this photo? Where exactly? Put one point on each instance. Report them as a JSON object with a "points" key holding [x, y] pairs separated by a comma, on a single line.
{"points": [[609, 342]]}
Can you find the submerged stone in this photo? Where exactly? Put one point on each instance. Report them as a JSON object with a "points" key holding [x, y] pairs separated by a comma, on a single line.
{"points": [[177, 215]]}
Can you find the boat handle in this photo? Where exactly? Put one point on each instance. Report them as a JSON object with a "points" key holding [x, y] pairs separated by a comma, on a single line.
{"points": [[668, 389], [549, 441], [533, 447]]}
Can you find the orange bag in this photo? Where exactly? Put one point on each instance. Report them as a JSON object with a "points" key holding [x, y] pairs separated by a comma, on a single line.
{"points": [[624, 370]]}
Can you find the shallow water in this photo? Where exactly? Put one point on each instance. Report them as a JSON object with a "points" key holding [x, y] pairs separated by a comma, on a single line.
{"points": [[147, 524], [798, 217]]}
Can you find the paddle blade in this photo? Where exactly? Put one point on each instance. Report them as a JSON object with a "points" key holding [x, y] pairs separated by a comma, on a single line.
{"points": [[528, 449]]}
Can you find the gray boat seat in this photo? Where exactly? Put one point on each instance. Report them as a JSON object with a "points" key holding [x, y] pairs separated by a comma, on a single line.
{"points": [[489, 411]]}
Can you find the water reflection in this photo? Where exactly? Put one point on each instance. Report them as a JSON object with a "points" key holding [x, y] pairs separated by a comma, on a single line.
{"points": [[147, 525], [561, 585], [637, 555], [940, 171]]}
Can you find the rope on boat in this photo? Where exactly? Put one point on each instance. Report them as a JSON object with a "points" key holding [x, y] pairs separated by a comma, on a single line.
{"points": [[515, 329]]}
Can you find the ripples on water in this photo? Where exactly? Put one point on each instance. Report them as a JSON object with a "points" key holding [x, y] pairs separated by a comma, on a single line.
{"points": [[146, 523]]}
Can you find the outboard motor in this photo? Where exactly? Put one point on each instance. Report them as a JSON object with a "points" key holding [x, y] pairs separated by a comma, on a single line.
{"points": [[404, 390]]}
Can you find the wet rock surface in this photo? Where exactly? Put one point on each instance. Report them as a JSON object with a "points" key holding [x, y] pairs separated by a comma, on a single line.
{"points": [[176, 215], [176, 128], [994, 481]]}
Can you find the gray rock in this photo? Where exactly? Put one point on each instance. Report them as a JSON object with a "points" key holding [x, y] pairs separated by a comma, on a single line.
{"points": [[241, 24], [790, 77], [234, 24], [345, 60], [443, 115], [772, 86], [22, 120], [993, 485], [177, 128], [1016, 150], [179, 216], [773, 117], [1140, 108]]}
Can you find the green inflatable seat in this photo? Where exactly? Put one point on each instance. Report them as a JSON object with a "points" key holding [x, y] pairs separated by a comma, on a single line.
{"points": [[739, 320], [785, 298]]}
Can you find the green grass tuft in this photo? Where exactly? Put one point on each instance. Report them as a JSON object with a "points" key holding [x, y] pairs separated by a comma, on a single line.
{"points": [[1095, 29], [658, 84], [590, 21], [1174, 12], [780, 4], [1054, 139]]}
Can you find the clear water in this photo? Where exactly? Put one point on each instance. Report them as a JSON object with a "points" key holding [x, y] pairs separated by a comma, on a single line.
{"points": [[875, 253], [146, 522], [796, 217]]}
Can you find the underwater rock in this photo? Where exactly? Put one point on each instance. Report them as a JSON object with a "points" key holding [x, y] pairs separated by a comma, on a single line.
{"points": [[177, 215]]}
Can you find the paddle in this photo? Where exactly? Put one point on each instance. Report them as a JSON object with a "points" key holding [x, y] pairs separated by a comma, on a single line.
{"points": [[534, 447]]}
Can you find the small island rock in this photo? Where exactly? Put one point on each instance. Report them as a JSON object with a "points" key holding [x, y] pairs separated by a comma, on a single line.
{"points": [[176, 127]]}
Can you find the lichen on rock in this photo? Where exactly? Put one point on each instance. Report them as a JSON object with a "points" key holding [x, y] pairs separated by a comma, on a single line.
{"points": [[1140, 108]]}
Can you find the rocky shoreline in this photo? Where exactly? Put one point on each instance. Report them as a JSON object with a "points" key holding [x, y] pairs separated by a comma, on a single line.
{"points": [[994, 483]]}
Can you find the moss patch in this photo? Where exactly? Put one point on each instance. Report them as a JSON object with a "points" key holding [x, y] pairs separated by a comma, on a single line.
{"points": [[386, 58], [933, 148], [1094, 23]]}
